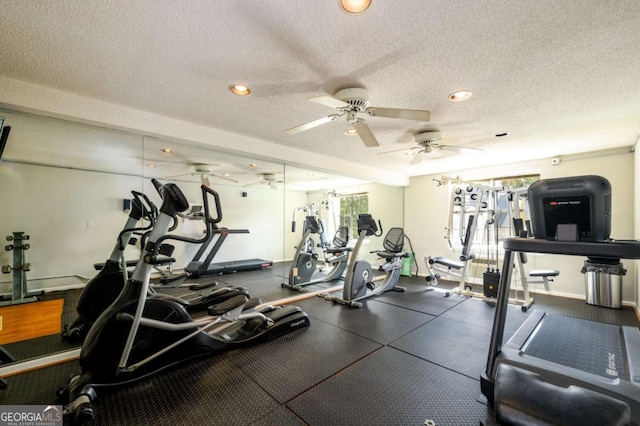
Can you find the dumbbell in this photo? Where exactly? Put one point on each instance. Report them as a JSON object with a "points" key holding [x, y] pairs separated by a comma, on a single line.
{"points": [[6, 269], [8, 247]]}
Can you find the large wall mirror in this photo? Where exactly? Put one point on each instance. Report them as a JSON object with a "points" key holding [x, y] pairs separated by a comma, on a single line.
{"points": [[67, 186]]}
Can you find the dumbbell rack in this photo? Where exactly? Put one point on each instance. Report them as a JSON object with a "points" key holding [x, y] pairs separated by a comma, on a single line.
{"points": [[19, 269]]}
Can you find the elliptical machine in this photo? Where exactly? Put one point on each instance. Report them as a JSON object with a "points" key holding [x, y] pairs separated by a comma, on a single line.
{"points": [[104, 288], [359, 283], [305, 260], [142, 333]]}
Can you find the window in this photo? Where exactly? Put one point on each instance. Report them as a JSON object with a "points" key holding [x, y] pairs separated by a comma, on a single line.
{"points": [[494, 203], [350, 207]]}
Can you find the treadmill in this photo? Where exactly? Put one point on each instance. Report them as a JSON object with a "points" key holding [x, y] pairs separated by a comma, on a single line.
{"points": [[566, 354], [197, 268]]}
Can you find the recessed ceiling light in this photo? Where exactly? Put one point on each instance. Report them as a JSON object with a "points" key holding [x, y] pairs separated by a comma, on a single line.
{"points": [[167, 150], [501, 135], [355, 6], [240, 89], [253, 165], [460, 95], [151, 165], [351, 132], [226, 174]]}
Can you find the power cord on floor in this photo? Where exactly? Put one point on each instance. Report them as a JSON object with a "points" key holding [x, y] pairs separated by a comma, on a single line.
{"points": [[413, 253]]}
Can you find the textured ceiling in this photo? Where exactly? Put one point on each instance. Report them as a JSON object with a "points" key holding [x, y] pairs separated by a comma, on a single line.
{"points": [[560, 77]]}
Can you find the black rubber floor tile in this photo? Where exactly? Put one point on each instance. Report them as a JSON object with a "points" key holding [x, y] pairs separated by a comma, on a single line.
{"points": [[422, 299], [390, 387], [210, 391], [380, 322], [480, 313], [293, 363], [452, 344]]}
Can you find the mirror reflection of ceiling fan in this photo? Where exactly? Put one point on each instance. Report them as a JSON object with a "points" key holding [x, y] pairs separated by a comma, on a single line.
{"points": [[269, 179], [353, 101], [427, 142], [204, 171]]}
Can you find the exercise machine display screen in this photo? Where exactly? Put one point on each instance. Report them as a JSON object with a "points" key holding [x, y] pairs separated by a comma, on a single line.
{"points": [[568, 211], [571, 209]]}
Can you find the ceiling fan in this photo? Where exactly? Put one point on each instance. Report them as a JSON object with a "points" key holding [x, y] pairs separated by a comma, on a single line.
{"points": [[204, 171], [353, 101], [267, 179], [427, 142]]}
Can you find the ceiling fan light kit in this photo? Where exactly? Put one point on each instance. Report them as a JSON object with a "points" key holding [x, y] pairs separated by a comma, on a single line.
{"points": [[353, 101], [460, 95], [355, 6]]}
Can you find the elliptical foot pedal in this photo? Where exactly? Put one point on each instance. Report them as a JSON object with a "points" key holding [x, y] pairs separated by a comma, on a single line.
{"points": [[203, 286], [523, 398], [227, 305], [174, 278]]}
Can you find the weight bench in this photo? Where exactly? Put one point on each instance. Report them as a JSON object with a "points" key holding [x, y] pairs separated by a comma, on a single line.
{"points": [[545, 274], [451, 264]]}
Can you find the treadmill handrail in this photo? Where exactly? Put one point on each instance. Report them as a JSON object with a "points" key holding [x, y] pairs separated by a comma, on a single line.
{"points": [[220, 230], [610, 249]]}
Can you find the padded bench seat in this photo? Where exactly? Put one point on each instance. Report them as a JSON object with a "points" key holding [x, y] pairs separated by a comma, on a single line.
{"points": [[446, 262], [544, 273]]}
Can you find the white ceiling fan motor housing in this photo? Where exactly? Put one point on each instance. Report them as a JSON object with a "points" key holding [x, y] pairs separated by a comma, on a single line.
{"points": [[356, 97]]}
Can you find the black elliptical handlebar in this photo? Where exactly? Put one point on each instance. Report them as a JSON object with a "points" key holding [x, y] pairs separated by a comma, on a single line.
{"points": [[141, 207], [177, 203]]}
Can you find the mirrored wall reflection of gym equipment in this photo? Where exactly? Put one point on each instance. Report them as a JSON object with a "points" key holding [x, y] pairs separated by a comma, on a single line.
{"points": [[19, 268], [502, 208], [307, 268]]}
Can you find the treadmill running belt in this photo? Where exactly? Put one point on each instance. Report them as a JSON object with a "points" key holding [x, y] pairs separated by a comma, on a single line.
{"points": [[585, 345]]}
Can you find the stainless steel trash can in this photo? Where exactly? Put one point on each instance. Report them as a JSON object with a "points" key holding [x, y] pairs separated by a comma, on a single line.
{"points": [[603, 283]]}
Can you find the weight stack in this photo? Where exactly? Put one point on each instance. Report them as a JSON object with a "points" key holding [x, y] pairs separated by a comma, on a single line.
{"points": [[491, 279]]}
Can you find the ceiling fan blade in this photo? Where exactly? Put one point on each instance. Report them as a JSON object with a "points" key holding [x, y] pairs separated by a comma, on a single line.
{"points": [[418, 157], [310, 125], [460, 149], [406, 114], [224, 177], [365, 133], [398, 150], [329, 101]]}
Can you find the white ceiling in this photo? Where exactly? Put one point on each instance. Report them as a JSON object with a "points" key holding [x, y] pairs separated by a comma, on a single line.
{"points": [[560, 76]]}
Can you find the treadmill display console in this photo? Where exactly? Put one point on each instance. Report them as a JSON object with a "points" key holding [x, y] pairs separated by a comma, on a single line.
{"points": [[579, 205], [568, 210]]}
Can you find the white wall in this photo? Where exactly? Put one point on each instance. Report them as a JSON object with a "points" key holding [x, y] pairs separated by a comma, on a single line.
{"points": [[426, 212], [636, 210]]}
